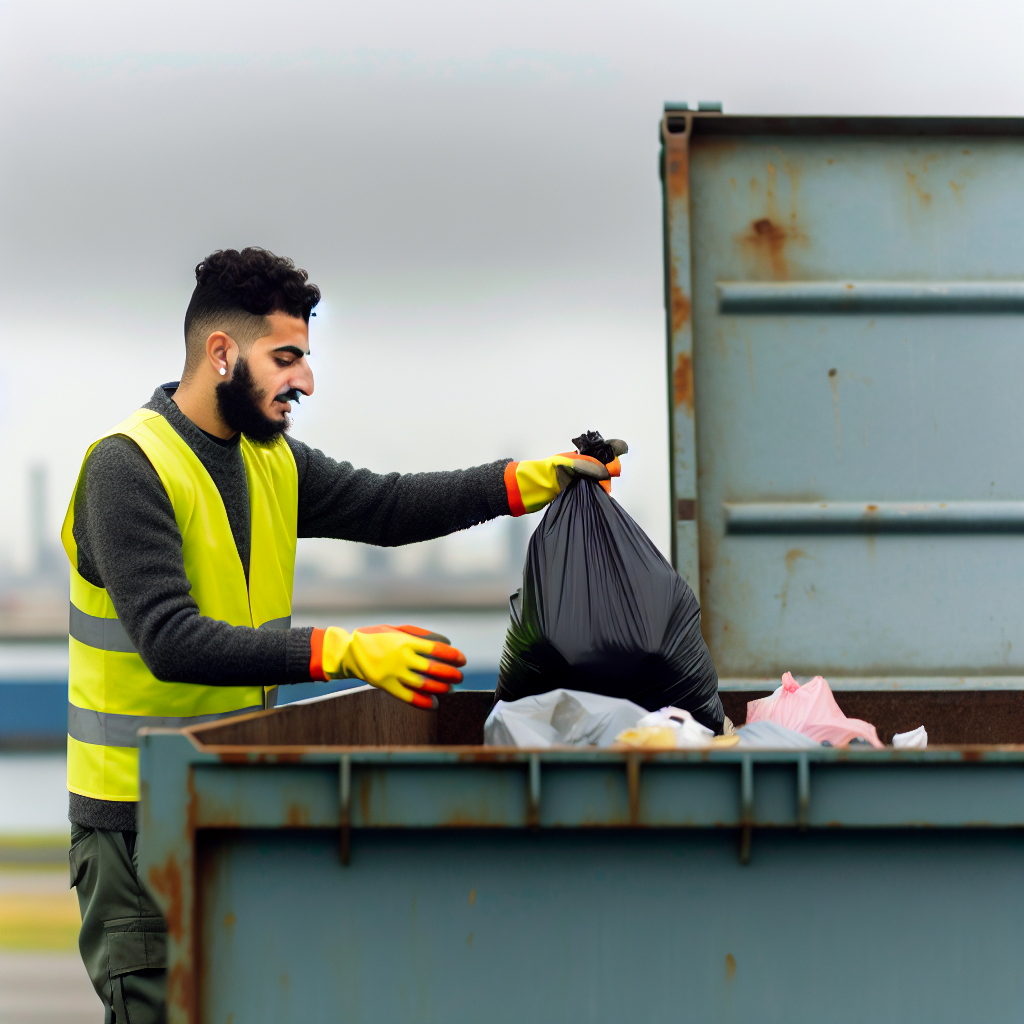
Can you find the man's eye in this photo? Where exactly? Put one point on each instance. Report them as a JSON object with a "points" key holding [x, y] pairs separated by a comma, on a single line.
{"points": [[284, 362]]}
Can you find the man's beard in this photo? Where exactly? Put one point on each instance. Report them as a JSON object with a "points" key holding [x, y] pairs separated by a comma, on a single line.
{"points": [[238, 402]]}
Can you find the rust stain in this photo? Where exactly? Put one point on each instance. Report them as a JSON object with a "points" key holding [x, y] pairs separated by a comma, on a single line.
{"points": [[765, 243], [679, 301], [730, 967], [633, 787], [970, 755], [924, 198], [958, 191], [681, 306], [180, 990], [167, 882], [768, 239], [871, 508], [677, 168], [469, 941], [682, 382], [833, 383], [297, 816], [791, 557], [467, 819], [472, 896], [494, 756], [230, 920]]}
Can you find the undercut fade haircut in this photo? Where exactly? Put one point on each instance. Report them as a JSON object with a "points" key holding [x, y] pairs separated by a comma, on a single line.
{"points": [[236, 291]]}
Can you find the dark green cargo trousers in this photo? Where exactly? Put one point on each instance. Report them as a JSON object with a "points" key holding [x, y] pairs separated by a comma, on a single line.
{"points": [[123, 938]]}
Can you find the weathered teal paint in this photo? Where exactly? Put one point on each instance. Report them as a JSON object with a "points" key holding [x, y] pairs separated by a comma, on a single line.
{"points": [[858, 346], [617, 884]]}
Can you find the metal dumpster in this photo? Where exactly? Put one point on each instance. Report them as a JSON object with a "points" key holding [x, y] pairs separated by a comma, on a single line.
{"points": [[845, 302], [424, 877]]}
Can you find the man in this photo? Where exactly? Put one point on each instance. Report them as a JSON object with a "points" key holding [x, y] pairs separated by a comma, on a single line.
{"points": [[181, 535]]}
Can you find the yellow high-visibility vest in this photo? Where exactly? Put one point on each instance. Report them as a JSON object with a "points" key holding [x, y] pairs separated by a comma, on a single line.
{"points": [[111, 692]]}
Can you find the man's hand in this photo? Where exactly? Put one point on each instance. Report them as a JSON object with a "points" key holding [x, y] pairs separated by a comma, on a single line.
{"points": [[409, 662], [532, 485]]}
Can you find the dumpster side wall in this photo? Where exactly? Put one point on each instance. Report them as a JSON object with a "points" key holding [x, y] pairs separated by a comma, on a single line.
{"points": [[459, 927]]}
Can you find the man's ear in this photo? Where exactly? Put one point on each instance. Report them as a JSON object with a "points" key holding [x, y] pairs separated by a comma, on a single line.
{"points": [[222, 352]]}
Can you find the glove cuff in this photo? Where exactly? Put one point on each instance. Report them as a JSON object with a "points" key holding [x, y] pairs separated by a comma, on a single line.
{"points": [[316, 656], [515, 499]]}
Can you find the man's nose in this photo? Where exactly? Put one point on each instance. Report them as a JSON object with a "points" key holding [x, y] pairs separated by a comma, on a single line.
{"points": [[302, 378]]}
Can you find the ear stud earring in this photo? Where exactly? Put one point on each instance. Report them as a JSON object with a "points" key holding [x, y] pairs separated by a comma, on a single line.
{"points": [[223, 371]]}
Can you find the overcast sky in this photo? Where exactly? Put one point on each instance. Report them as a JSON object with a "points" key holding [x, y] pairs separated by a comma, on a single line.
{"points": [[473, 186]]}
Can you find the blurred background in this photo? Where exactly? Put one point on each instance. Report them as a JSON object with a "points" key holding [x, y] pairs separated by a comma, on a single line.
{"points": [[474, 187]]}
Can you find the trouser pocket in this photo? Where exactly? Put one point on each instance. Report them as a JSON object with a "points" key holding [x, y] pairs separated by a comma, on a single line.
{"points": [[135, 944], [136, 962], [139, 997]]}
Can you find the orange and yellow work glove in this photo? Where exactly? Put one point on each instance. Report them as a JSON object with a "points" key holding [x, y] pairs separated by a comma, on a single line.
{"points": [[532, 485], [409, 662]]}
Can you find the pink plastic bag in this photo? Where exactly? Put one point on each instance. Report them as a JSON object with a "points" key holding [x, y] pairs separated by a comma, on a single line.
{"points": [[812, 710]]}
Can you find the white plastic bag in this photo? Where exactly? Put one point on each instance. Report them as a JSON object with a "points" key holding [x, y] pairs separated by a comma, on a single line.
{"points": [[686, 731], [767, 735], [560, 717], [916, 739]]}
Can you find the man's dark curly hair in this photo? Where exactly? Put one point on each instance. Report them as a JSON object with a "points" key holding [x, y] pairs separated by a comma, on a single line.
{"points": [[235, 291]]}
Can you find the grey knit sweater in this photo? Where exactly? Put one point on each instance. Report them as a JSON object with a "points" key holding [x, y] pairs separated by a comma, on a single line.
{"points": [[129, 543]]}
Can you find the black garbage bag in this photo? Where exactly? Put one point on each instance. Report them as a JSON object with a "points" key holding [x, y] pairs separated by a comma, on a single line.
{"points": [[601, 610]]}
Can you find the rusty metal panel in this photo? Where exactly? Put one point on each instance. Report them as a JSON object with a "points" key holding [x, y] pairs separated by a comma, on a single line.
{"points": [[858, 319], [265, 796], [319, 883], [611, 927], [438, 795]]}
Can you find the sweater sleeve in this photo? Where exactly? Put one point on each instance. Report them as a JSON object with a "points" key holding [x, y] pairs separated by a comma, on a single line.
{"points": [[336, 500], [129, 543]]}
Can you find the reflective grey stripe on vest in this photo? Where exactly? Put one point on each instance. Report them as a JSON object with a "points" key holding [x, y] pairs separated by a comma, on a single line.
{"points": [[108, 730], [103, 634], [285, 622], [109, 634]]}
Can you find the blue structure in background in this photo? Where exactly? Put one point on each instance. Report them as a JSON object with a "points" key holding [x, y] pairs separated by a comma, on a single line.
{"points": [[33, 714], [33, 711], [33, 696]]}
